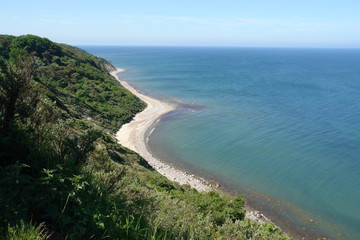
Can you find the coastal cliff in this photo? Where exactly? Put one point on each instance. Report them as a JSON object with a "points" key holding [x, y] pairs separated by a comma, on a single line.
{"points": [[63, 174]]}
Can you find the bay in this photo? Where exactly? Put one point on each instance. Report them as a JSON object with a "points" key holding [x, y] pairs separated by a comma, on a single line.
{"points": [[281, 125]]}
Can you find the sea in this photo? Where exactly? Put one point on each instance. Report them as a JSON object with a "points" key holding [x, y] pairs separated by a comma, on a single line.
{"points": [[280, 125]]}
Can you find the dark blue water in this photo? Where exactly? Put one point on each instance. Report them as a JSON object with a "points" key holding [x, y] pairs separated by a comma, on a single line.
{"points": [[282, 124]]}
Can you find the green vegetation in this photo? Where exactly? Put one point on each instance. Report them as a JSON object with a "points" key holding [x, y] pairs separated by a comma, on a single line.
{"points": [[28, 232], [62, 176]]}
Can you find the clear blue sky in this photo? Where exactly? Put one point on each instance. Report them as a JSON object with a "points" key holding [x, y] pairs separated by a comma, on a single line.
{"points": [[272, 23]]}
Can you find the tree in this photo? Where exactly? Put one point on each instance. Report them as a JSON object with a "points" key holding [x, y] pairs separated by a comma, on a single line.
{"points": [[41, 47], [17, 95], [5, 43]]}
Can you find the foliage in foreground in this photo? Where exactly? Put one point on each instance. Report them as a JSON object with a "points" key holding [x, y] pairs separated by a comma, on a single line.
{"points": [[62, 175], [27, 231]]}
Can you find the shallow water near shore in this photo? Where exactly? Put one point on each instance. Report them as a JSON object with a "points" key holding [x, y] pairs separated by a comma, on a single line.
{"points": [[280, 124]]}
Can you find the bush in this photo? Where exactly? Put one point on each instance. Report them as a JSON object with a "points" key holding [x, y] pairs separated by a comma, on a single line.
{"points": [[248, 229]]}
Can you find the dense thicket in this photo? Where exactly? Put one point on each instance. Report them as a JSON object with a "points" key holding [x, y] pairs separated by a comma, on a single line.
{"points": [[63, 176]]}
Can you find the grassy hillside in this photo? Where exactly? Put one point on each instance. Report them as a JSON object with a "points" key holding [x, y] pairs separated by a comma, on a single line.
{"points": [[62, 176]]}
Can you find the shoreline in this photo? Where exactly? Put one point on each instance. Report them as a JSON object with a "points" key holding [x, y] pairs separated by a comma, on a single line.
{"points": [[134, 135]]}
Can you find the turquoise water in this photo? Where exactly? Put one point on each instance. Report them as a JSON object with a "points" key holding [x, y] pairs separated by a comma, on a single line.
{"points": [[283, 125]]}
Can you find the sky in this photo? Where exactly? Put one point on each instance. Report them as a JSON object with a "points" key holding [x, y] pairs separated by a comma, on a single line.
{"points": [[250, 23]]}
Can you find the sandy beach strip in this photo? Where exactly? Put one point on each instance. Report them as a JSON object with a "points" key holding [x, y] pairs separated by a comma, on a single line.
{"points": [[132, 135]]}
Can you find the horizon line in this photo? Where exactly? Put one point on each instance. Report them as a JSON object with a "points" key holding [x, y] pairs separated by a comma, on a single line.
{"points": [[212, 46]]}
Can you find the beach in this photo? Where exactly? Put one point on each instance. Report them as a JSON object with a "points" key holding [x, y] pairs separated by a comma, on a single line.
{"points": [[133, 135], [258, 136]]}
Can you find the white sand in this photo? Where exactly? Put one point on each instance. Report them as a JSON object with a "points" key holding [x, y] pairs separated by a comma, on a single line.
{"points": [[132, 136]]}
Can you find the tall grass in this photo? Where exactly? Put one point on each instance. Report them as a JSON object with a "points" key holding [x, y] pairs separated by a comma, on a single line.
{"points": [[26, 231]]}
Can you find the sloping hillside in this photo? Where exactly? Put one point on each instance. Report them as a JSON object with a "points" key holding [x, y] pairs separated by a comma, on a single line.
{"points": [[62, 176]]}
